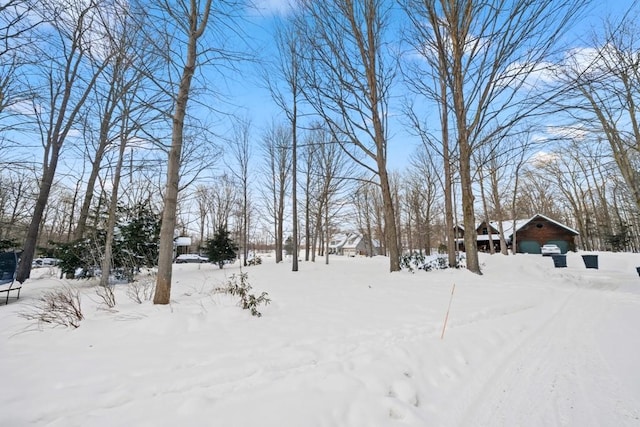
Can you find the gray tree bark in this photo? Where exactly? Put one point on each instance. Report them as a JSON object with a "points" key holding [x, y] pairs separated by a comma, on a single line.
{"points": [[197, 23]]}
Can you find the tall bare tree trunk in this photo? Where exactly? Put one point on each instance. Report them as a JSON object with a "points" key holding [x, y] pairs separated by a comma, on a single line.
{"points": [[24, 268], [294, 183], [485, 209], [449, 223], [459, 38], [113, 206], [103, 141], [307, 218], [495, 192], [327, 233], [165, 255]]}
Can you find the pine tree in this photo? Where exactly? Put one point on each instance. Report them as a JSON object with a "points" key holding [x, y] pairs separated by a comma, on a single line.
{"points": [[139, 231], [221, 248], [288, 246]]}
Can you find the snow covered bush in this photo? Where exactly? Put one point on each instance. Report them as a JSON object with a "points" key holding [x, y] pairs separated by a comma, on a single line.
{"points": [[256, 260], [59, 307], [412, 261], [238, 285], [416, 261]]}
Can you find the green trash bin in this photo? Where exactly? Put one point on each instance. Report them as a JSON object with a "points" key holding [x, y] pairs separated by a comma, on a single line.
{"points": [[559, 261], [590, 261]]}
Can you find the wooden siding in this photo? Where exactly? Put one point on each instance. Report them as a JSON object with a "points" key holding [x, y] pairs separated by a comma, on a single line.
{"points": [[542, 231]]}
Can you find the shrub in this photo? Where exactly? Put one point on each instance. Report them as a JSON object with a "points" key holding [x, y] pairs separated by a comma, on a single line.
{"points": [[254, 261], [141, 290], [416, 261], [411, 261], [106, 294], [238, 285], [59, 307]]}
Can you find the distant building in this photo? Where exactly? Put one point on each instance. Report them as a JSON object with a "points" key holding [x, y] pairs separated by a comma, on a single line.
{"points": [[530, 235], [352, 244]]}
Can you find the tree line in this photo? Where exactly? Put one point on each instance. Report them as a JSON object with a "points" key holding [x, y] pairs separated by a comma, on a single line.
{"points": [[107, 104]]}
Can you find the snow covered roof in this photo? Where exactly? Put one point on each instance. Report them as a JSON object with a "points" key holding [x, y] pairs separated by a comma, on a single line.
{"points": [[352, 241], [338, 240], [508, 226], [553, 221]]}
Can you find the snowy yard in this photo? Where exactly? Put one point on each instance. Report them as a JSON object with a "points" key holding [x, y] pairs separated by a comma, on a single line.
{"points": [[347, 344]]}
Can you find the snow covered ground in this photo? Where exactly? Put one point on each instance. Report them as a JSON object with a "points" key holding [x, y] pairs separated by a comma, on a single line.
{"points": [[344, 344]]}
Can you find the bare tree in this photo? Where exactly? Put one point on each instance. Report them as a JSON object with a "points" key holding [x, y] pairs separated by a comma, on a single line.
{"points": [[487, 53], [309, 159], [202, 199], [363, 203], [241, 151], [69, 80], [222, 197], [347, 74], [192, 19], [18, 189], [331, 174], [287, 69], [421, 194], [605, 94], [276, 147], [115, 96], [112, 215], [124, 84], [497, 167], [18, 23]]}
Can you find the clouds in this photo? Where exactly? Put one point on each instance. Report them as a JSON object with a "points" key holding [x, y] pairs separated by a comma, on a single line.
{"points": [[276, 7], [581, 58], [542, 158], [576, 132]]}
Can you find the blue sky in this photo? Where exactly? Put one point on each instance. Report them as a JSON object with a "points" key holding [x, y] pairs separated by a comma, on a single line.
{"points": [[251, 100], [246, 97]]}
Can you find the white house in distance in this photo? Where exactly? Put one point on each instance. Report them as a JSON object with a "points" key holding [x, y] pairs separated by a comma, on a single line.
{"points": [[352, 244]]}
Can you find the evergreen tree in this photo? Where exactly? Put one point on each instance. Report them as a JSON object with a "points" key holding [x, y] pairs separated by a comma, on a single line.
{"points": [[139, 231], [221, 248], [135, 244], [619, 241], [288, 246]]}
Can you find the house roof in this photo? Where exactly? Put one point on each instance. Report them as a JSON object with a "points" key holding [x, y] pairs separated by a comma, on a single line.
{"points": [[569, 229], [338, 240], [352, 241], [349, 241], [508, 226]]}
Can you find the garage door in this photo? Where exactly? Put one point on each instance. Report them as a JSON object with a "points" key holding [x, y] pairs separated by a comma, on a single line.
{"points": [[564, 246], [529, 247]]}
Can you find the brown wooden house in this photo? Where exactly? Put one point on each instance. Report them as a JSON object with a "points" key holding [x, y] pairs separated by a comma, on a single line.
{"points": [[530, 235], [541, 230]]}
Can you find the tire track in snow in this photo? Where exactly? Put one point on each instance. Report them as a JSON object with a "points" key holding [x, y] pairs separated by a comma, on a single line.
{"points": [[558, 375]]}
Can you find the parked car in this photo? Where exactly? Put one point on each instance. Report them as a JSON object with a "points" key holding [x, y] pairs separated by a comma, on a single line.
{"points": [[191, 258], [550, 249], [45, 262]]}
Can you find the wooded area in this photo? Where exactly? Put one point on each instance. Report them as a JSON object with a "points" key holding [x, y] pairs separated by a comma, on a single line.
{"points": [[113, 134]]}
